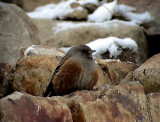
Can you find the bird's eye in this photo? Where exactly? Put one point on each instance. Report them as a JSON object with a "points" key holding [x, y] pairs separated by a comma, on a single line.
{"points": [[91, 51]]}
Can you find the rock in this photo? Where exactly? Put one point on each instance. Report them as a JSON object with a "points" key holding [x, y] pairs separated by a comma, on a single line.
{"points": [[22, 107], [6, 77], [30, 5], [124, 102], [148, 74], [154, 106], [15, 33], [38, 50], [154, 27], [45, 34], [113, 71], [33, 72], [68, 33], [79, 13], [90, 7]]}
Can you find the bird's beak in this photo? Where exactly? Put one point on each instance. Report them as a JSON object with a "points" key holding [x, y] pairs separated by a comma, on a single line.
{"points": [[92, 51]]}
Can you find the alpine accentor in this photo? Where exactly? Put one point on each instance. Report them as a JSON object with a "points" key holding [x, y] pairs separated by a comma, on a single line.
{"points": [[76, 71]]}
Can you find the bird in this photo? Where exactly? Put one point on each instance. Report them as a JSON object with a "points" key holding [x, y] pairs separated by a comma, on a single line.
{"points": [[77, 70]]}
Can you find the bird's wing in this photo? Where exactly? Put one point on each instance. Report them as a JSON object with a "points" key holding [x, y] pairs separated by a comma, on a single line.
{"points": [[50, 90]]}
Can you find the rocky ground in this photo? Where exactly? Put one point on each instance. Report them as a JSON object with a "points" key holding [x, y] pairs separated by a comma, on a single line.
{"points": [[128, 88]]}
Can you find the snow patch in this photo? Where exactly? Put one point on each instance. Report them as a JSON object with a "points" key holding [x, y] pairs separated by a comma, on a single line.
{"points": [[52, 11], [139, 18], [15, 96], [28, 50], [103, 12], [71, 25], [121, 9], [113, 45], [84, 2]]}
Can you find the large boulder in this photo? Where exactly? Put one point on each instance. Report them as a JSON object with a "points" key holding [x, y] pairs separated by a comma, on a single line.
{"points": [[154, 105], [16, 30], [19, 107], [124, 102], [147, 74], [34, 70], [72, 33], [113, 71]]}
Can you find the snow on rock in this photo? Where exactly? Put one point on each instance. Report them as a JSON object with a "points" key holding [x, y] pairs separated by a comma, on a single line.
{"points": [[52, 11], [29, 49], [113, 45], [103, 12], [139, 18], [48, 6], [121, 9], [63, 26], [84, 2]]}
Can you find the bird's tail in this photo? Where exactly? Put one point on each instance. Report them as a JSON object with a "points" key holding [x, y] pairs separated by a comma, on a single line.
{"points": [[50, 90]]}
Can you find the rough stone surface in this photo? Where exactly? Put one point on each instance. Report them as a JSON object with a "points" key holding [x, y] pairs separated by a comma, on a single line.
{"points": [[148, 74], [6, 77], [90, 7], [74, 34], [154, 106], [38, 50], [124, 102], [113, 71], [147, 5], [19, 107], [45, 34], [33, 74], [16, 30], [76, 14]]}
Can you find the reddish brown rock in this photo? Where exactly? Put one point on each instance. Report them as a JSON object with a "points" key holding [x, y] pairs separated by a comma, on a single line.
{"points": [[33, 74], [19, 107], [76, 14], [113, 71], [154, 106], [34, 69], [6, 77], [148, 74], [125, 102], [38, 50]]}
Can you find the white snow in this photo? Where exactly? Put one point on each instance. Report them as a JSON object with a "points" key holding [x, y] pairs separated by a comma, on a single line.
{"points": [[112, 44], [52, 12], [139, 18], [108, 24], [84, 2], [48, 6], [29, 49], [102, 2], [121, 9], [103, 12]]}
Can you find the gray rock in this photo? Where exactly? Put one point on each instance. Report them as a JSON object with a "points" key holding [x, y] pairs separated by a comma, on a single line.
{"points": [[16, 30]]}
